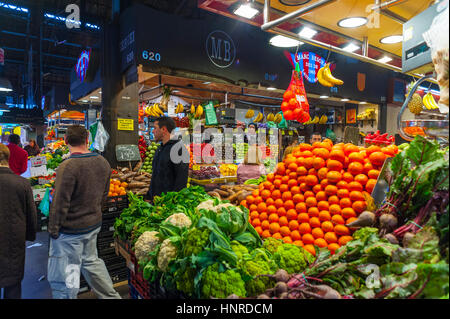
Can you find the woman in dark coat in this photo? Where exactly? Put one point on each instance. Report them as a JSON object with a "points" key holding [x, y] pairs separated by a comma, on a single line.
{"points": [[18, 223], [32, 148]]}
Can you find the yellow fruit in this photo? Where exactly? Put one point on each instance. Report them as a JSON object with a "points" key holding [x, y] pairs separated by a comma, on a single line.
{"points": [[329, 77], [415, 105]]}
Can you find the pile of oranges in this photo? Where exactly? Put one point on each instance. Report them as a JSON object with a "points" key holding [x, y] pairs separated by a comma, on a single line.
{"points": [[117, 188], [315, 192]]}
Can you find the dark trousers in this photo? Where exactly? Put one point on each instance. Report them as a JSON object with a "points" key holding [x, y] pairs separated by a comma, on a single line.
{"points": [[13, 292]]}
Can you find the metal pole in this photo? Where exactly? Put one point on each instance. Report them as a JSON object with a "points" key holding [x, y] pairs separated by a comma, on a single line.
{"points": [[384, 5], [294, 14], [266, 11], [365, 48]]}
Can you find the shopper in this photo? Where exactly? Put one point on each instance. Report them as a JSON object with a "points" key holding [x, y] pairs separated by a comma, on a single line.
{"points": [[290, 148], [32, 148], [81, 186], [18, 223], [316, 137], [170, 167], [252, 167], [18, 157]]}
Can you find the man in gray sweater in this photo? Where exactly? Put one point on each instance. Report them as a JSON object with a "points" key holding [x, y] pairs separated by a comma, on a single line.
{"points": [[81, 187]]}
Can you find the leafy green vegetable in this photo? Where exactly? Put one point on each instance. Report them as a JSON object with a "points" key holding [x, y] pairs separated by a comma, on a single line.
{"points": [[292, 258], [221, 284]]}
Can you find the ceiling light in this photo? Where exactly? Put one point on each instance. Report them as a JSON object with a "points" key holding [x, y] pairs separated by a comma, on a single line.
{"points": [[175, 91], [353, 22], [207, 82], [84, 101], [307, 33], [5, 85], [99, 92], [324, 96], [93, 97], [351, 47], [392, 39], [345, 100], [271, 88], [246, 11], [385, 59], [362, 102], [284, 42]]}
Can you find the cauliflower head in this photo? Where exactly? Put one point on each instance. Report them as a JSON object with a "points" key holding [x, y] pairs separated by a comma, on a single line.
{"points": [[221, 285], [167, 252], [209, 205], [292, 258], [179, 220], [145, 244]]}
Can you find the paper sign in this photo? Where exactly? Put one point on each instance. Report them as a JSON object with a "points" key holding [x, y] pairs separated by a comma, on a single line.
{"points": [[127, 152], [38, 161], [38, 171], [125, 124]]}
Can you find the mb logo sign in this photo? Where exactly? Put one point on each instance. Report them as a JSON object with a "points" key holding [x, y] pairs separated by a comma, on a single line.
{"points": [[220, 49]]}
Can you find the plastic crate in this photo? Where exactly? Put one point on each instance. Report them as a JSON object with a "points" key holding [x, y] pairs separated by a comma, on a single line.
{"points": [[115, 203]]}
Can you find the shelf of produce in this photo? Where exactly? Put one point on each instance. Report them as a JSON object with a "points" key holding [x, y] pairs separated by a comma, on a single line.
{"points": [[218, 180], [430, 128]]}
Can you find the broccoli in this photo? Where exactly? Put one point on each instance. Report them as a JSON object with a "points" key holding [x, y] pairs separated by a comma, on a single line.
{"points": [[239, 249], [292, 258], [185, 280], [260, 264], [272, 244], [221, 285], [195, 241]]}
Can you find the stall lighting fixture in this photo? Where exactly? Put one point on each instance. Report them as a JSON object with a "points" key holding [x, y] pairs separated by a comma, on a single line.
{"points": [[362, 102], [175, 91], [246, 11], [324, 96], [284, 42], [307, 33], [385, 59], [271, 88], [207, 82], [84, 101], [353, 22], [392, 39], [13, 7], [351, 47], [345, 100], [94, 97], [126, 97]]}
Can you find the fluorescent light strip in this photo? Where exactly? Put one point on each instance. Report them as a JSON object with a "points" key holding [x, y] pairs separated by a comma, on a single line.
{"points": [[62, 19], [271, 88], [324, 96], [345, 100], [13, 7], [284, 42], [351, 47], [385, 59], [307, 33], [246, 11]]}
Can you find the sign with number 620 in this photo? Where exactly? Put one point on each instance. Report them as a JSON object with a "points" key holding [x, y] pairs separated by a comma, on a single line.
{"points": [[151, 56]]}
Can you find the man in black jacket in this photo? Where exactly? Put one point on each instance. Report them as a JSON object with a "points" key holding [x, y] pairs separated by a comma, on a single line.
{"points": [[171, 161]]}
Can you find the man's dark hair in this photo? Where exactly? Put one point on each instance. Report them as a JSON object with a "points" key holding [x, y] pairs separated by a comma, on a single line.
{"points": [[166, 122], [14, 138], [76, 135], [316, 133]]}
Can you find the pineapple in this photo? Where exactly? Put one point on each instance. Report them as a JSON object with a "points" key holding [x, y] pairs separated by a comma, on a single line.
{"points": [[415, 106]]}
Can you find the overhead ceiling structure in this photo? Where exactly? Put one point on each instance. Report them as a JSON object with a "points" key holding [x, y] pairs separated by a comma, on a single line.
{"points": [[381, 19]]}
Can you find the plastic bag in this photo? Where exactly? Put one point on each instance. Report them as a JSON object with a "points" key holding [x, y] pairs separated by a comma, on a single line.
{"points": [[101, 138], [295, 106], [44, 206], [437, 39], [283, 122], [331, 135]]}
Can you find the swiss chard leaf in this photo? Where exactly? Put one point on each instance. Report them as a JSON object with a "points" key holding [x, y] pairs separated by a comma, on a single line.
{"points": [[422, 151]]}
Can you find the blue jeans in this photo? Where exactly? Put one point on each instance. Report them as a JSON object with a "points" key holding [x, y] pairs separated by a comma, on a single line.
{"points": [[71, 254]]}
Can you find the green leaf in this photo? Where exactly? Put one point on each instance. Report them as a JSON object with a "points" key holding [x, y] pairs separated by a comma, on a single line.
{"points": [[422, 151]]}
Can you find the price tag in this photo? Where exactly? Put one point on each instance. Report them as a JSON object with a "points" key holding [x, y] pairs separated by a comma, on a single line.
{"points": [[196, 167], [38, 161], [38, 171], [125, 124]]}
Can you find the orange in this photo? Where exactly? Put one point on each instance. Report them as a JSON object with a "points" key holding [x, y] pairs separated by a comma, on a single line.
{"points": [[302, 171], [301, 208], [292, 183], [307, 239], [265, 194], [343, 240], [327, 144], [324, 216], [348, 212], [271, 209], [304, 187], [323, 205], [255, 193], [309, 194], [289, 205], [322, 173], [298, 243], [270, 177], [355, 168], [311, 202], [258, 200], [350, 220], [342, 185], [322, 153], [347, 177], [303, 218], [341, 230], [327, 226], [266, 233], [308, 162], [362, 179], [292, 166], [295, 235], [373, 174], [335, 209], [310, 248], [370, 185], [334, 177], [333, 247], [311, 180], [372, 148], [250, 199], [283, 188], [299, 160], [355, 196], [279, 203], [304, 228], [263, 216], [124, 184], [283, 221], [305, 147], [259, 230], [356, 157], [254, 214], [321, 196], [317, 233], [291, 214], [338, 219], [281, 211], [315, 222], [274, 228], [333, 200], [265, 224], [110, 194], [298, 198], [295, 190], [256, 222], [267, 184], [334, 165], [345, 202], [350, 148], [306, 154], [313, 212], [114, 194], [270, 201], [293, 175], [318, 163], [337, 155], [287, 240], [355, 186], [324, 183], [277, 183], [377, 158], [320, 242], [301, 179], [331, 190], [367, 167], [293, 225], [244, 203], [281, 168], [331, 237], [273, 218], [317, 188], [359, 206], [315, 145], [277, 236], [285, 179], [262, 207], [284, 231]]}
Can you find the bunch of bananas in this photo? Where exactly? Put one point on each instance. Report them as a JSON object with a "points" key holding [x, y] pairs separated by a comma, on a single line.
{"points": [[259, 118], [197, 112], [323, 119], [270, 117], [180, 108], [429, 102], [315, 120], [326, 78], [153, 110], [277, 119], [250, 113]]}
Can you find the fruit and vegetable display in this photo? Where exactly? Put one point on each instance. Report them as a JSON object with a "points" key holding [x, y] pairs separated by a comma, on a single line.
{"points": [[414, 130], [316, 192], [149, 154], [295, 106], [228, 169], [379, 139], [181, 122], [117, 188], [234, 194], [142, 147], [136, 180], [206, 172], [56, 158], [204, 151]]}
